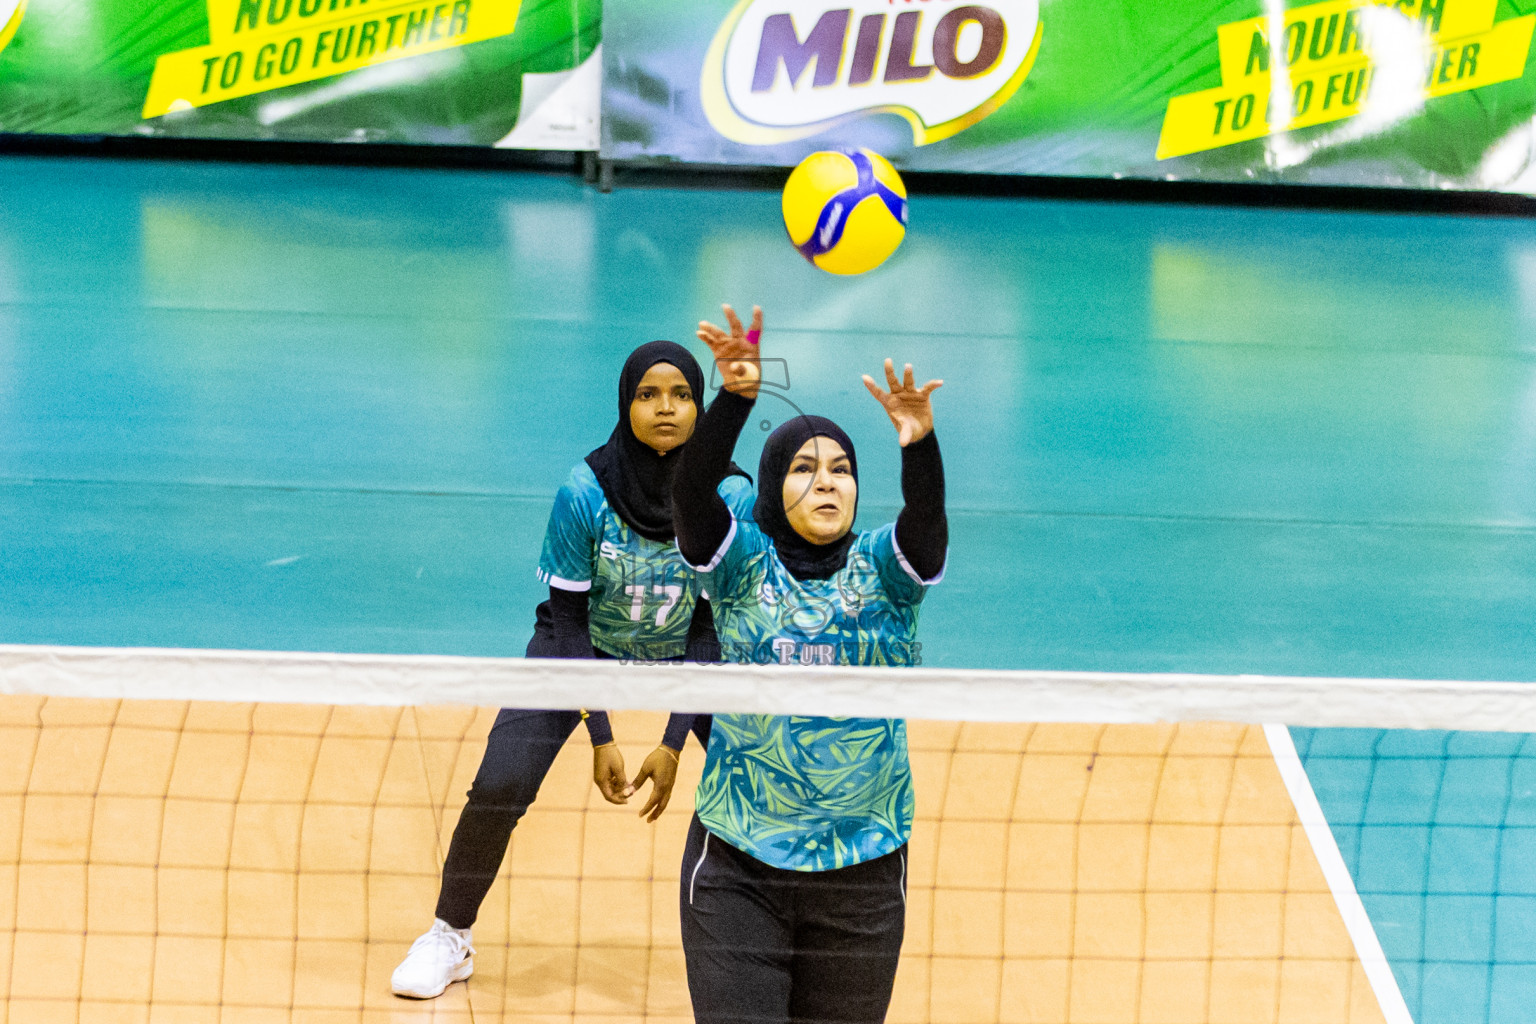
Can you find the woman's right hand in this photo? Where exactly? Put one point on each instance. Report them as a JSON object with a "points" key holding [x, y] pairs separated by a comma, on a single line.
{"points": [[737, 352], [608, 774]]}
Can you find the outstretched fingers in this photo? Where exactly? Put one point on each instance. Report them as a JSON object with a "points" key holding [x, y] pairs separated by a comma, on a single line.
{"points": [[731, 318], [735, 343], [905, 386]]}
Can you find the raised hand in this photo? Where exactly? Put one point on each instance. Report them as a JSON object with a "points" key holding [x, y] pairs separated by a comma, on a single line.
{"points": [[905, 403], [736, 352]]}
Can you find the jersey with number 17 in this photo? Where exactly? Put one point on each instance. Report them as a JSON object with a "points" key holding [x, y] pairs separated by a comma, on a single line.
{"points": [[642, 593]]}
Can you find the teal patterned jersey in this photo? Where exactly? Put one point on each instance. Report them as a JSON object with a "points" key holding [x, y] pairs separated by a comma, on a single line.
{"points": [[642, 593], [804, 793]]}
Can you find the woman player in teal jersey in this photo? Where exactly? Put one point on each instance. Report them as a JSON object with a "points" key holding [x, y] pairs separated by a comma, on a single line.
{"points": [[793, 887], [618, 589]]}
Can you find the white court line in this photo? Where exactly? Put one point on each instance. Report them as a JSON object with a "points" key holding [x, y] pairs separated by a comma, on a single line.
{"points": [[1361, 932], [922, 692]]}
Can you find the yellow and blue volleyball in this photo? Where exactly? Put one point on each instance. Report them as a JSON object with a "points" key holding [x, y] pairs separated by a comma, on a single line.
{"points": [[846, 211]]}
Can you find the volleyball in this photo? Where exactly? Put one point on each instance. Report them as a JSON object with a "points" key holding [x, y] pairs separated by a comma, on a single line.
{"points": [[845, 210]]}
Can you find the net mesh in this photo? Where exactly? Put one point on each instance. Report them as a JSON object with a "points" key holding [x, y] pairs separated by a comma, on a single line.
{"points": [[202, 861]]}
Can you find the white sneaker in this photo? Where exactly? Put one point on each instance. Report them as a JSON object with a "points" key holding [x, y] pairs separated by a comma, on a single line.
{"points": [[436, 960]]}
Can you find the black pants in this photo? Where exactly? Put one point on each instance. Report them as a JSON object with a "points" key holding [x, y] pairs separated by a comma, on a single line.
{"points": [[768, 946], [518, 754]]}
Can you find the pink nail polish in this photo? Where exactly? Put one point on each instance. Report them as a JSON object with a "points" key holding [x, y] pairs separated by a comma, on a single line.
{"points": [[753, 335]]}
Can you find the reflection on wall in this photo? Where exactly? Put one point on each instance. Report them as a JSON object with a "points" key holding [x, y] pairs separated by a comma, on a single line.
{"points": [[551, 246]]}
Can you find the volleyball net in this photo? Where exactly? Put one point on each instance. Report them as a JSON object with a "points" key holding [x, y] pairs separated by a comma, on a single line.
{"points": [[251, 836]]}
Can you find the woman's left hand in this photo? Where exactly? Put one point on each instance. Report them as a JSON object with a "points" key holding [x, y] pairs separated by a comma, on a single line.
{"points": [[661, 768], [906, 404]]}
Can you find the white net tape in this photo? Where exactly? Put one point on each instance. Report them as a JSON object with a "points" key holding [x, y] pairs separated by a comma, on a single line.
{"points": [[940, 694]]}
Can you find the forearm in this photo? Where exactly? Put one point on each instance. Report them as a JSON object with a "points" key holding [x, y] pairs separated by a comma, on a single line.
{"points": [[699, 514], [598, 727], [922, 528], [678, 727], [570, 636]]}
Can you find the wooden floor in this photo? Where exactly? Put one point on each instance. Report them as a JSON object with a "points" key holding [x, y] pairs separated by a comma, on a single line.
{"points": [[259, 863]]}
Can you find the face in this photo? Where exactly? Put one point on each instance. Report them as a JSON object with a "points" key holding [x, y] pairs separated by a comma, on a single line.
{"points": [[820, 491], [663, 409]]}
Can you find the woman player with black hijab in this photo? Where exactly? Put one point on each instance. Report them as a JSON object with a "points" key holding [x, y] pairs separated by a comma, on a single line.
{"points": [[793, 886], [617, 589]]}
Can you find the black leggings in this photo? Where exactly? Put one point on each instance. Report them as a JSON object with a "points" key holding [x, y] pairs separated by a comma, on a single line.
{"points": [[521, 747], [518, 754], [769, 946]]}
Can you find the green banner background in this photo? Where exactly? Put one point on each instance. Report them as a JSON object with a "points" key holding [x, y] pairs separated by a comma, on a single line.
{"points": [[83, 67], [1093, 105]]}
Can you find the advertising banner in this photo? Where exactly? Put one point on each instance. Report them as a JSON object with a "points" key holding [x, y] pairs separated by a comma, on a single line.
{"points": [[1406, 93], [511, 73]]}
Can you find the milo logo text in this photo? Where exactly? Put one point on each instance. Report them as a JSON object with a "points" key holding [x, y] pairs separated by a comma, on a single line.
{"points": [[780, 70], [825, 45]]}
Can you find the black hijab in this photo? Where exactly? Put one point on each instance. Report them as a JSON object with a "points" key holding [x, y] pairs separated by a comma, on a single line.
{"points": [[804, 560], [636, 478]]}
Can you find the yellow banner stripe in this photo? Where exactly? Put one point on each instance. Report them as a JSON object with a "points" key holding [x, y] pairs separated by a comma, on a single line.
{"points": [[1336, 86], [270, 60], [241, 20]]}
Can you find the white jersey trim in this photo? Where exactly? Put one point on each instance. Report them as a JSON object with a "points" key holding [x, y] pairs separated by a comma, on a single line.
{"points": [[913, 572], [714, 562], [560, 583]]}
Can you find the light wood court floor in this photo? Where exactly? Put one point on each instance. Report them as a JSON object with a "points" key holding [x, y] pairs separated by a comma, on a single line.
{"points": [[172, 862]]}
